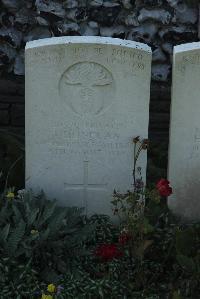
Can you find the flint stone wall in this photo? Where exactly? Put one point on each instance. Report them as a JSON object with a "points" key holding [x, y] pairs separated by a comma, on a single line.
{"points": [[159, 23]]}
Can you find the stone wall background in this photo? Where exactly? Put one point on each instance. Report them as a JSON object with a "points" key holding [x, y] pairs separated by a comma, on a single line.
{"points": [[159, 23]]}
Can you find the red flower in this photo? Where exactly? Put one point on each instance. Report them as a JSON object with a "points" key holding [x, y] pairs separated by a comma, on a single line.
{"points": [[162, 182], [164, 188], [107, 252]]}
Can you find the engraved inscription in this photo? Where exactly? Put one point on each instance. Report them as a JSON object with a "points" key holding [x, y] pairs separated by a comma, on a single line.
{"points": [[85, 186], [193, 59], [134, 60], [90, 137], [195, 152], [181, 68], [87, 88]]}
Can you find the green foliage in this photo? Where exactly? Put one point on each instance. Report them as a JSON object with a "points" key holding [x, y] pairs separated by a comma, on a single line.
{"points": [[34, 228], [92, 278], [163, 273], [162, 263], [83, 287], [188, 254], [18, 280], [141, 214]]}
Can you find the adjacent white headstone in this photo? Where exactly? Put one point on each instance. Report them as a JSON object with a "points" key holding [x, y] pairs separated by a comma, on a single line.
{"points": [[184, 151], [86, 98]]}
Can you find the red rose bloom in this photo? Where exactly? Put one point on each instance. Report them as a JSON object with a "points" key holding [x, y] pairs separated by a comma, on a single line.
{"points": [[164, 188], [107, 252], [162, 182]]}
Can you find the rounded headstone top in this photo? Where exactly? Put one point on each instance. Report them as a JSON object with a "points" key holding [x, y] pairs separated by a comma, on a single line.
{"points": [[87, 40], [187, 47]]}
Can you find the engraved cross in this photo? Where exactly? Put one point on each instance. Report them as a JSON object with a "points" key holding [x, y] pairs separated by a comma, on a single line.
{"points": [[85, 186]]}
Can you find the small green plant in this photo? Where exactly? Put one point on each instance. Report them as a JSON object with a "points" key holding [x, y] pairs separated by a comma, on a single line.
{"points": [[37, 229], [188, 255], [18, 280], [139, 211]]}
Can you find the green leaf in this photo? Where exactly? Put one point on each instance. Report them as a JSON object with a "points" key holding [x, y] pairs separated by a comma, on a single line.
{"points": [[32, 218], [3, 213], [148, 228], [4, 233], [50, 275], [44, 235], [15, 237], [48, 212], [56, 222], [17, 213]]}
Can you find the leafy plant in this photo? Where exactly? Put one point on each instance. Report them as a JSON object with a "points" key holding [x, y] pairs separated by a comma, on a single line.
{"points": [[18, 280], [188, 254], [37, 229], [140, 212]]}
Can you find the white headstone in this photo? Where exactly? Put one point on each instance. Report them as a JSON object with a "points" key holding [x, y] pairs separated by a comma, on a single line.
{"points": [[86, 98], [184, 151]]}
